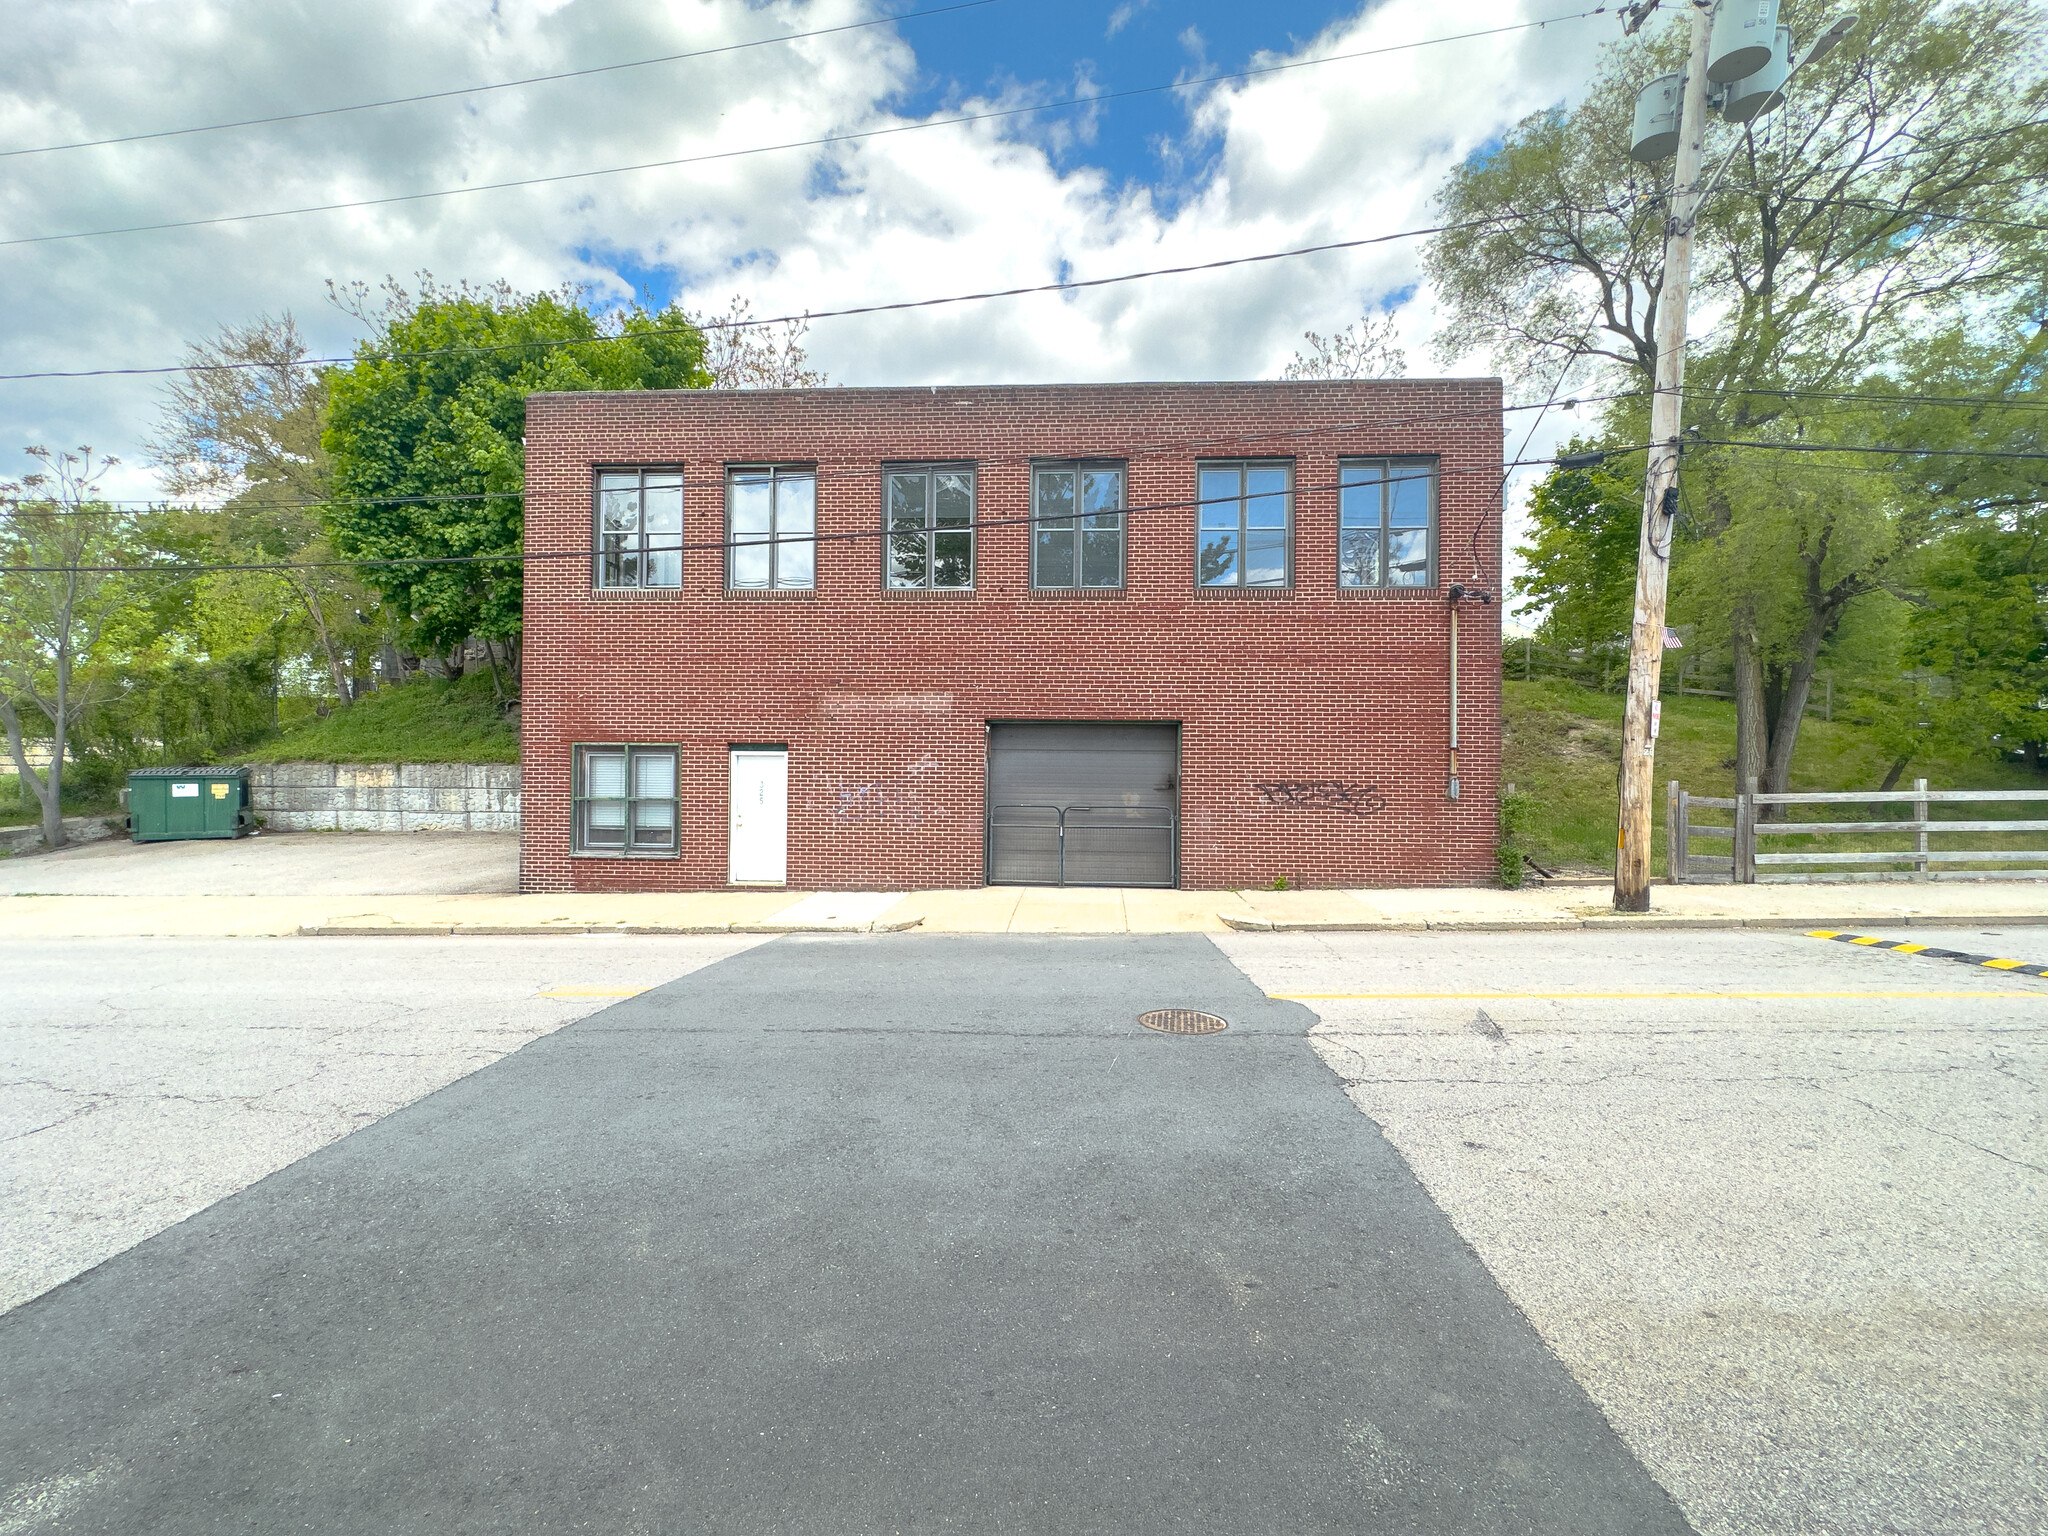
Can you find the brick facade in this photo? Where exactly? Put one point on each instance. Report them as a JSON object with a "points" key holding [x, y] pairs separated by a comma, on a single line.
{"points": [[883, 697]]}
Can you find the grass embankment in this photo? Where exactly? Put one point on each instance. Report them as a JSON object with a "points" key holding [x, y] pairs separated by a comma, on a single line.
{"points": [[19, 807], [428, 720], [1563, 749]]}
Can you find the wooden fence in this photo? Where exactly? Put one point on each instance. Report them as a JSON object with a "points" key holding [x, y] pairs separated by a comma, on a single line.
{"points": [[1745, 865]]}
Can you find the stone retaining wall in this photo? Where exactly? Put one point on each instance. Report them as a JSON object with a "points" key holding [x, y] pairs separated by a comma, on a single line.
{"points": [[386, 797]]}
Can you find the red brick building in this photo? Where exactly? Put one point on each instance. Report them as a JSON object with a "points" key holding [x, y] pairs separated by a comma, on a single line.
{"points": [[1193, 634]]}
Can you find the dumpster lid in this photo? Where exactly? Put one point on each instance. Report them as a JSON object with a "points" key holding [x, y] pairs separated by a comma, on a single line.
{"points": [[188, 773]]}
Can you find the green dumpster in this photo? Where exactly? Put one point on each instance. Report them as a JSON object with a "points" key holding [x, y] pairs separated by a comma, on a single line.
{"points": [[169, 803]]}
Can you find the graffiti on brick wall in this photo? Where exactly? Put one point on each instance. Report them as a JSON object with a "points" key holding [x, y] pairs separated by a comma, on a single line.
{"points": [[898, 800], [1340, 795]]}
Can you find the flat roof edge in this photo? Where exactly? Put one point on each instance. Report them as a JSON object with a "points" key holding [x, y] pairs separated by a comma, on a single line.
{"points": [[842, 391]]}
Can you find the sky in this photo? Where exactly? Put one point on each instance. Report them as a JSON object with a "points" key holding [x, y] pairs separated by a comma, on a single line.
{"points": [[1300, 156]]}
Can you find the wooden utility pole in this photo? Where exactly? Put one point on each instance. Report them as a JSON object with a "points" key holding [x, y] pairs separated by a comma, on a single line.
{"points": [[1660, 489]]}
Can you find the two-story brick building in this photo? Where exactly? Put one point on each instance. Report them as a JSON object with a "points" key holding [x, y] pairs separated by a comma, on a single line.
{"points": [[1121, 634]]}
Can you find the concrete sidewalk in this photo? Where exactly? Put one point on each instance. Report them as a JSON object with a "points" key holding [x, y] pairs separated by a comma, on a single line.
{"points": [[1022, 909]]}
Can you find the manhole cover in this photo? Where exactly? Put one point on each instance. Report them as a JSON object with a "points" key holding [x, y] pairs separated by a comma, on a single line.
{"points": [[1182, 1021]]}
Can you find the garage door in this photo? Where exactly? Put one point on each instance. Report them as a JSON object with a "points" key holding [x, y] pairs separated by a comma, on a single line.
{"points": [[1083, 804]]}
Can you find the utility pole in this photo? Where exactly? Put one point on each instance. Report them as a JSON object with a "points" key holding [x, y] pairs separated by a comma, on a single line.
{"points": [[1660, 488]]}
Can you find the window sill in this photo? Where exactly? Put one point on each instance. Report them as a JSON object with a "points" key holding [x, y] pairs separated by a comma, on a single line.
{"points": [[772, 594], [1244, 594], [1391, 594], [928, 594], [620, 856], [1082, 594], [635, 592]]}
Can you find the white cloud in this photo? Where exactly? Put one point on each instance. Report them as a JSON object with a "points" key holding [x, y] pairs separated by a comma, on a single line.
{"points": [[1307, 156], [1124, 14]]}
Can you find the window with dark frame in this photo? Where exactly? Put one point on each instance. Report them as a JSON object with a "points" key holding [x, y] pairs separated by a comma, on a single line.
{"points": [[625, 801], [771, 525], [929, 513], [1245, 524], [1386, 533], [640, 528], [1077, 526]]}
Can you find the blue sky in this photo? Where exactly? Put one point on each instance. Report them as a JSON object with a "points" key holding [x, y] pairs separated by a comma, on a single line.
{"points": [[1073, 47]]}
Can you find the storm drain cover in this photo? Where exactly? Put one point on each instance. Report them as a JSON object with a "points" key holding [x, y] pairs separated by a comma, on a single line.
{"points": [[1182, 1021]]}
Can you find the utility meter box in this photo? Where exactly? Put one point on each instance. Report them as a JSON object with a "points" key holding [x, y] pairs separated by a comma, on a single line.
{"points": [[165, 804]]}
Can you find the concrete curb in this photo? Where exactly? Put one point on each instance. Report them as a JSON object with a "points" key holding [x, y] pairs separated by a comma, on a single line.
{"points": [[531, 930], [1608, 923]]}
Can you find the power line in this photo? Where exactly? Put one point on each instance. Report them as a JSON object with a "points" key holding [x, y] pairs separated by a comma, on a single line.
{"points": [[591, 552], [1072, 285], [1191, 446], [762, 149], [1133, 453], [1924, 453], [499, 85], [1877, 399], [1866, 205], [1594, 456]]}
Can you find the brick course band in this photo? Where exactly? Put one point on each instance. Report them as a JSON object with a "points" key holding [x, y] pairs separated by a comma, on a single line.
{"points": [[884, 703]]}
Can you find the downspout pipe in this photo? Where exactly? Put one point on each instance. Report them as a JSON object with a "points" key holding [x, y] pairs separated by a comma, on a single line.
{"points": [[1458, 593]]}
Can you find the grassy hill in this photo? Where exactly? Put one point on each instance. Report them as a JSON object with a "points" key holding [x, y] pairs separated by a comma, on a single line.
{"points": [[1563, 750], [428, 720]]}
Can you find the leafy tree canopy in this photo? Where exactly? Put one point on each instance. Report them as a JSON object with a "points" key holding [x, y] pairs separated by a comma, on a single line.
{"points": [[1580, 561], [434, 409], [1897, 196]]}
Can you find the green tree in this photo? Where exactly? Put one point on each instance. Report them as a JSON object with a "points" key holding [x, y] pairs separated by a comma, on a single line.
{"points": [[1580, 562], [243, 426], [1895, 192], [1979, 614], [426, 427], [55, 606]]}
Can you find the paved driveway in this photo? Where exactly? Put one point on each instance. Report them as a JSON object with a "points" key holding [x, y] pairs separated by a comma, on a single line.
{"points": [[838, 1235]]}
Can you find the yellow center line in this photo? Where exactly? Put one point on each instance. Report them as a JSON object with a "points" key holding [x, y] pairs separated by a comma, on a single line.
{"points": [[1306, 997], [592, 992]]}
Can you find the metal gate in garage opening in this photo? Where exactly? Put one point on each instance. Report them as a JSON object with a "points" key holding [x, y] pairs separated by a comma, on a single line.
{"points": [[1083, 803]]}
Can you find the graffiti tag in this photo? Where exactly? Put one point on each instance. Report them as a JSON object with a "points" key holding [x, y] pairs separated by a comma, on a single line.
{"points": [[1322, 795], [896, 801]]}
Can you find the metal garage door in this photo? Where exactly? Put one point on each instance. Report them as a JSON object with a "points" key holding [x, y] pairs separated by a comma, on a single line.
{"points": [[1083, 804]]}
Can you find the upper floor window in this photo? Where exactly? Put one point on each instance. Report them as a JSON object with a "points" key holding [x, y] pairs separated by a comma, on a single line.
{"points": [[1387, 522], [1246, 524], [640, 528], [1077, 525], [771, 526], [930, 513]]}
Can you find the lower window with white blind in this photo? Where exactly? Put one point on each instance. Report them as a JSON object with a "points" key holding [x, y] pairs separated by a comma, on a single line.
{"points": [[626, 801]]}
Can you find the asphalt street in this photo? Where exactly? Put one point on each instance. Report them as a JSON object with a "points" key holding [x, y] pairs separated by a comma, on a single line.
{"points": [[1780, 1203], [833, 1235], [143, 1079]]}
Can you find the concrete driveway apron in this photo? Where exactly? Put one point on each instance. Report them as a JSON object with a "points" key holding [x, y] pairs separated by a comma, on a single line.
{"points": [[838, 1235]]}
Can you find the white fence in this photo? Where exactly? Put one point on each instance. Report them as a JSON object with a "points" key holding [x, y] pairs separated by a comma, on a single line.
{"points": [[1744, 864]]}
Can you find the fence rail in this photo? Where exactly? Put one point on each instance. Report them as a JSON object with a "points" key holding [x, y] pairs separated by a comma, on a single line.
{"points": [[1744, 864]]}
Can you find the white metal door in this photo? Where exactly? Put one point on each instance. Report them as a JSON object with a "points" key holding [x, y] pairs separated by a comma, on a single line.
{"points": [[760, 815]]}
